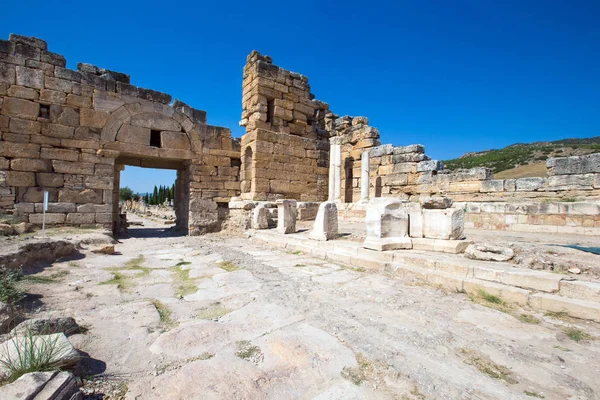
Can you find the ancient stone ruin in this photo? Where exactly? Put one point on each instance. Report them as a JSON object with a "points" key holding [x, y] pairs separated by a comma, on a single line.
{"points": [[70, 133]]}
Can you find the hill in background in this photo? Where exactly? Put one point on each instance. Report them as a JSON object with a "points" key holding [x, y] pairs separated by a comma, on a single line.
{"points": [[525, 159]]}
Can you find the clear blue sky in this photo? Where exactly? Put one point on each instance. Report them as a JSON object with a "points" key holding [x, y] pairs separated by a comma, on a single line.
{"points": [[455, 76]]}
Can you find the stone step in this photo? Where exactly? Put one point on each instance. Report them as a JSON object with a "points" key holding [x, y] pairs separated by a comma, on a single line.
{"points": [[514, 285]]}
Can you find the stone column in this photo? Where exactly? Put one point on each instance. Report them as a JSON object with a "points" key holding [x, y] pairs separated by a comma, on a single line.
{"points": [[364, 176], [326, 223], [335, 169]]}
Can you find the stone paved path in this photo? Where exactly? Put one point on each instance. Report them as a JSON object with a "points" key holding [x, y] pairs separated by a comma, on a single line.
{"points": [[218, 317]]}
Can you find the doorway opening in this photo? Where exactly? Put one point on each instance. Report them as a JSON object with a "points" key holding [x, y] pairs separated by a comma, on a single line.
{"points": [[150, 198]]}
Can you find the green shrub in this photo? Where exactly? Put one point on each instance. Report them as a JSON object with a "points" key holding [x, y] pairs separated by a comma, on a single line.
{"points": [[10, 293]]}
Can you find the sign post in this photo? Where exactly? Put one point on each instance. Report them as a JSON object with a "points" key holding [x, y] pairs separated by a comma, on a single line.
{"points": [[45, 209]]}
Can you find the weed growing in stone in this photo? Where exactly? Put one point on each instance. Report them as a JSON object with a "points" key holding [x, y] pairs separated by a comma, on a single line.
{"points": [[562, 315], [213, 312], [10, 293], [31, 353], [184, 284], [487, 366], [358, 374], [122, 281], [576, 334], [561, 348], [531, 393], [248, 352], [164, 313], [228, 266], [490, 297], [300, 265], [528, 319]]}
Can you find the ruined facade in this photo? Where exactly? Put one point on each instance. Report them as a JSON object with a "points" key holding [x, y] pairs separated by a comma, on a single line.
{"points": [[71, 133]]}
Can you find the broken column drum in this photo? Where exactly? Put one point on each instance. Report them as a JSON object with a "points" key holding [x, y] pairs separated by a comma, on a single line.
{"points": [[326, 223], [286, 216], [387, 225]]}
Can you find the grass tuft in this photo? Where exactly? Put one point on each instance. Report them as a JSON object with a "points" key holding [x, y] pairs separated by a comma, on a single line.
{"points": [[531, 393], [490, 297], [32, 353], [214, 311], [184, 285], [576, 334], [247, 351], [122, 281], [228, 266], [528, 319], [562, 315], [487, 366], [165, 314]]}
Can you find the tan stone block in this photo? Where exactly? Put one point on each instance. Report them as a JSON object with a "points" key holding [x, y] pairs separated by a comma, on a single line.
{"points": [[99, 182], [65, 167], [20, 108], [93, 118], [62, 85], [57, 131], [15, 137], [174, 140], [53, 96], [81, 218], [79, 101], [30, 77], [24, 126], [32, 195], [20, 179], [104, 218], [29, 165], [59, 154], [51, 218], [79, 196], [23, 92], [554, 219], [134, 134], [49, 179], [81, 144], [24, 150]]}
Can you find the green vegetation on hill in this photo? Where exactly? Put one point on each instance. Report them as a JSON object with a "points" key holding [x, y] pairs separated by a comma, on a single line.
{"points": [[525, 153]]}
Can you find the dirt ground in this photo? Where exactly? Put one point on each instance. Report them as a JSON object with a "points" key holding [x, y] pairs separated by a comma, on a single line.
{"points": [[221, 317]]}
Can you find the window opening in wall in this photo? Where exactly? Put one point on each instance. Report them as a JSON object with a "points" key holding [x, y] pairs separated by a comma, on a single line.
{"points": [[154, 138], [270, 109], [236, 162], [44, 111]]}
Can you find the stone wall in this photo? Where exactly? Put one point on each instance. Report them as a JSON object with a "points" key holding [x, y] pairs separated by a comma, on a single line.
{"points": [[69, 133], [285, 150]]}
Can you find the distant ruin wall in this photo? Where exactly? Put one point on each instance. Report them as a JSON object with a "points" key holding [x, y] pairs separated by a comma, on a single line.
{"points": [[70, 133]]}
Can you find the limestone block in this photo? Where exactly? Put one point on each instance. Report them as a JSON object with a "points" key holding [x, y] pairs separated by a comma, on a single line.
{"points": [[530, 184], [383, 150], [53, 96], [93, 118], [23, 92], [387, 225], [415, 220], [20, 108], [174, 140], [104, 218], [20, 179], [81, 218], [574, 165], [435, 202], [79, 196], [286, 216], [99, 182], [32, 195], [494, 185], [326, 222], [443, 224], [155, 121], [430, 165], [567, 182], [58, 131], [413, 148], [49, 179], [56, 207], [24, 126], [259, 217], [134, 134], [7, 73], [30, 77], [489, 252], [59, 154], [51, 218], [29, 165]]}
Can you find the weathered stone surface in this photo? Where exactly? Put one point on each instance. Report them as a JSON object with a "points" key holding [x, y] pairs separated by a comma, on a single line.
{"points": [[51, 218], [30, 77], [387, 225], [174, 140], [20, 179], [415, 220], [22, 228], [27, 386], [59, 154], [530, 184], [81, 218], [496, 185], [156, 122], [489, 252], [23, 92], [49, 179], [570, 182], [286, 216], [30, 165], [40, 326], [108, 250], [430, 165], [79, 196], [259, 217], [326, 222], [435, 202], [24, 126], [65, 167], [6, 230], [574, 165], [93, 118], [19, 150], [134, 134], [20, 108], [7, 315], [447, 224]]}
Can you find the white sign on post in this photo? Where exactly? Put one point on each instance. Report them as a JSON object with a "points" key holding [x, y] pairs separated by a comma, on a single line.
{"points": [[45, 209]]}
